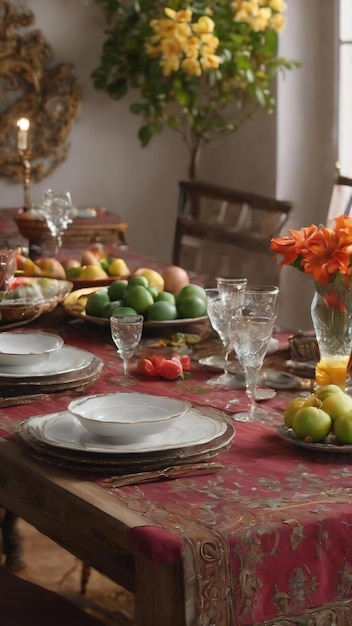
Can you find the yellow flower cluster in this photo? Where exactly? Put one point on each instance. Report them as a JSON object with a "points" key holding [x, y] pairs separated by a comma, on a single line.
{"points": [[184, 44], [260, 14]]}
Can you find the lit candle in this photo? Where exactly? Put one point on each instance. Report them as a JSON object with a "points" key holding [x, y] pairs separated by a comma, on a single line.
{"points": [[22, 138]]}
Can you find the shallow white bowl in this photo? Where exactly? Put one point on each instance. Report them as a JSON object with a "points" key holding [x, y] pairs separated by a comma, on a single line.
{"points": [[127, 416], [25, 348]]}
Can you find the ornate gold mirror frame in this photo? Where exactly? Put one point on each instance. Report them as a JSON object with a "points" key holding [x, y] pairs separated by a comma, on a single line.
{"points": [[31, 87]]}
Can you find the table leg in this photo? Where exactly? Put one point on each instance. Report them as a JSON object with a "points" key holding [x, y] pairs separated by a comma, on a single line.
{"points": [[159, 595], [12, 542]]}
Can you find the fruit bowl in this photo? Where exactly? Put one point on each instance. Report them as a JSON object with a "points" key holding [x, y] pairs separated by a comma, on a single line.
{"points": [[74, 305], [29, 297], [127, 416], [329, 444], [33, 229]]}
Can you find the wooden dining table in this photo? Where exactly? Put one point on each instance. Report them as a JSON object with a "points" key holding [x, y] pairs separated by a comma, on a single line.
{"points": [[264, 540]]}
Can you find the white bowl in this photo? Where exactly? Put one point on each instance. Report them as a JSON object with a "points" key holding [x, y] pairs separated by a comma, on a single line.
{"points": [[25, 348], [127, 416]]}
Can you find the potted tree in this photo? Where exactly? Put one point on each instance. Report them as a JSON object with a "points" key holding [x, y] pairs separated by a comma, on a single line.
{"points": [[201, 68]]}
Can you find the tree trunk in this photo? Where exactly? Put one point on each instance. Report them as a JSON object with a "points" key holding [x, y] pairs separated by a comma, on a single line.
{"points": [[195, 154]]}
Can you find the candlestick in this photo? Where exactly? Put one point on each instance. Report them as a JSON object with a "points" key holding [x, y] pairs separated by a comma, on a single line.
{"points": [[22, 137], [26, 169]]}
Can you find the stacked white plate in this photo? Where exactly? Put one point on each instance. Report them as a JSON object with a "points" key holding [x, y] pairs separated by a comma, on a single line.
{"points": [[34, 359], [195, 435]]}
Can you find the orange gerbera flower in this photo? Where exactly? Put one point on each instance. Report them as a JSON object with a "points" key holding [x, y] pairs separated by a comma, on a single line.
{"points": [[290, 248], [327, 254], [343, 223], [324, 253]]}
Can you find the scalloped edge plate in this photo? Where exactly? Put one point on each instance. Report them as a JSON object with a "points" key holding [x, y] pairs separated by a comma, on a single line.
{"points": [[72, 307]]}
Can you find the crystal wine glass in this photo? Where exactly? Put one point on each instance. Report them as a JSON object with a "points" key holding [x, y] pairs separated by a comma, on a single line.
{"points": [[126, 332], [220, 313], [252, 329], [57, 212]]}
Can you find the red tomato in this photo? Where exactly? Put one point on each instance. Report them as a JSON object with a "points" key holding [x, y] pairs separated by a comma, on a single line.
{"points": [[146, 367], [171, 369], [186, 362], [157, 360]]}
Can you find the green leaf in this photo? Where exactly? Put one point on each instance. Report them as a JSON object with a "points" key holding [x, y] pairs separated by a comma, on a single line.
{"points": [[145, 134], [138, 108]]}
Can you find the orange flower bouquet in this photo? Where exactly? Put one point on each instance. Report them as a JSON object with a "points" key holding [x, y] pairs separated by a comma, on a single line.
{"points": [[326, 255]]}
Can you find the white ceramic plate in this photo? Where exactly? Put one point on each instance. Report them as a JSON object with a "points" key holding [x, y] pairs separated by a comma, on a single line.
{"points": [[216, 363], [66, 359], [64, 430], [328, 445], [25, 348]]}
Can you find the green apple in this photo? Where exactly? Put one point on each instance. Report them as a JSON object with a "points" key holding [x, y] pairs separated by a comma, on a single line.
{"points": [[311, 424], [327, 390], [292, 408], [343, 429], [337, 405]]}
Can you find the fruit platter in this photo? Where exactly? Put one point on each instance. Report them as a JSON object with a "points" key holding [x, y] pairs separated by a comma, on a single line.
{"points": [[29, 297], [322, 422], [93, 268], [137, 294]]}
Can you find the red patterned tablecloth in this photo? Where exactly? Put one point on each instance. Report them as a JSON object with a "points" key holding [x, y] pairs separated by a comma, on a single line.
{"points": [[266, 540]]}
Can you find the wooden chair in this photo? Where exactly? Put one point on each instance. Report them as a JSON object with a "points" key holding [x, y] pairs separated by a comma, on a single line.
{"points": [[25, 604], [341, 197], [222, 231]]}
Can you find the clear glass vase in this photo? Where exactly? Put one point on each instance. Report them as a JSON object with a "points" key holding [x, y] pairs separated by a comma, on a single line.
{"points": [[331, 312]]}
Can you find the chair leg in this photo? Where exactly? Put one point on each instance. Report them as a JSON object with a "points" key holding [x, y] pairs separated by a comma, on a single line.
{"points": [[85, 574], [12, 542]]}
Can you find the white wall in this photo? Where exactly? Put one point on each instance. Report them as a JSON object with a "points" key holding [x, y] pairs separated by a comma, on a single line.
{"points": [[307, 129], [289, 153]]}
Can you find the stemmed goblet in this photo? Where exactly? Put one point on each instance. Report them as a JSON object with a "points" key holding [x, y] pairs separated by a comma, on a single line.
{"points": [[126, 332], [57, 212], [221, 307], [252, 330]]}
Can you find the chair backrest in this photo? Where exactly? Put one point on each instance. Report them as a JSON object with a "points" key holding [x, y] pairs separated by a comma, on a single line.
{"points": [[341, 197], [226, 231]]}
